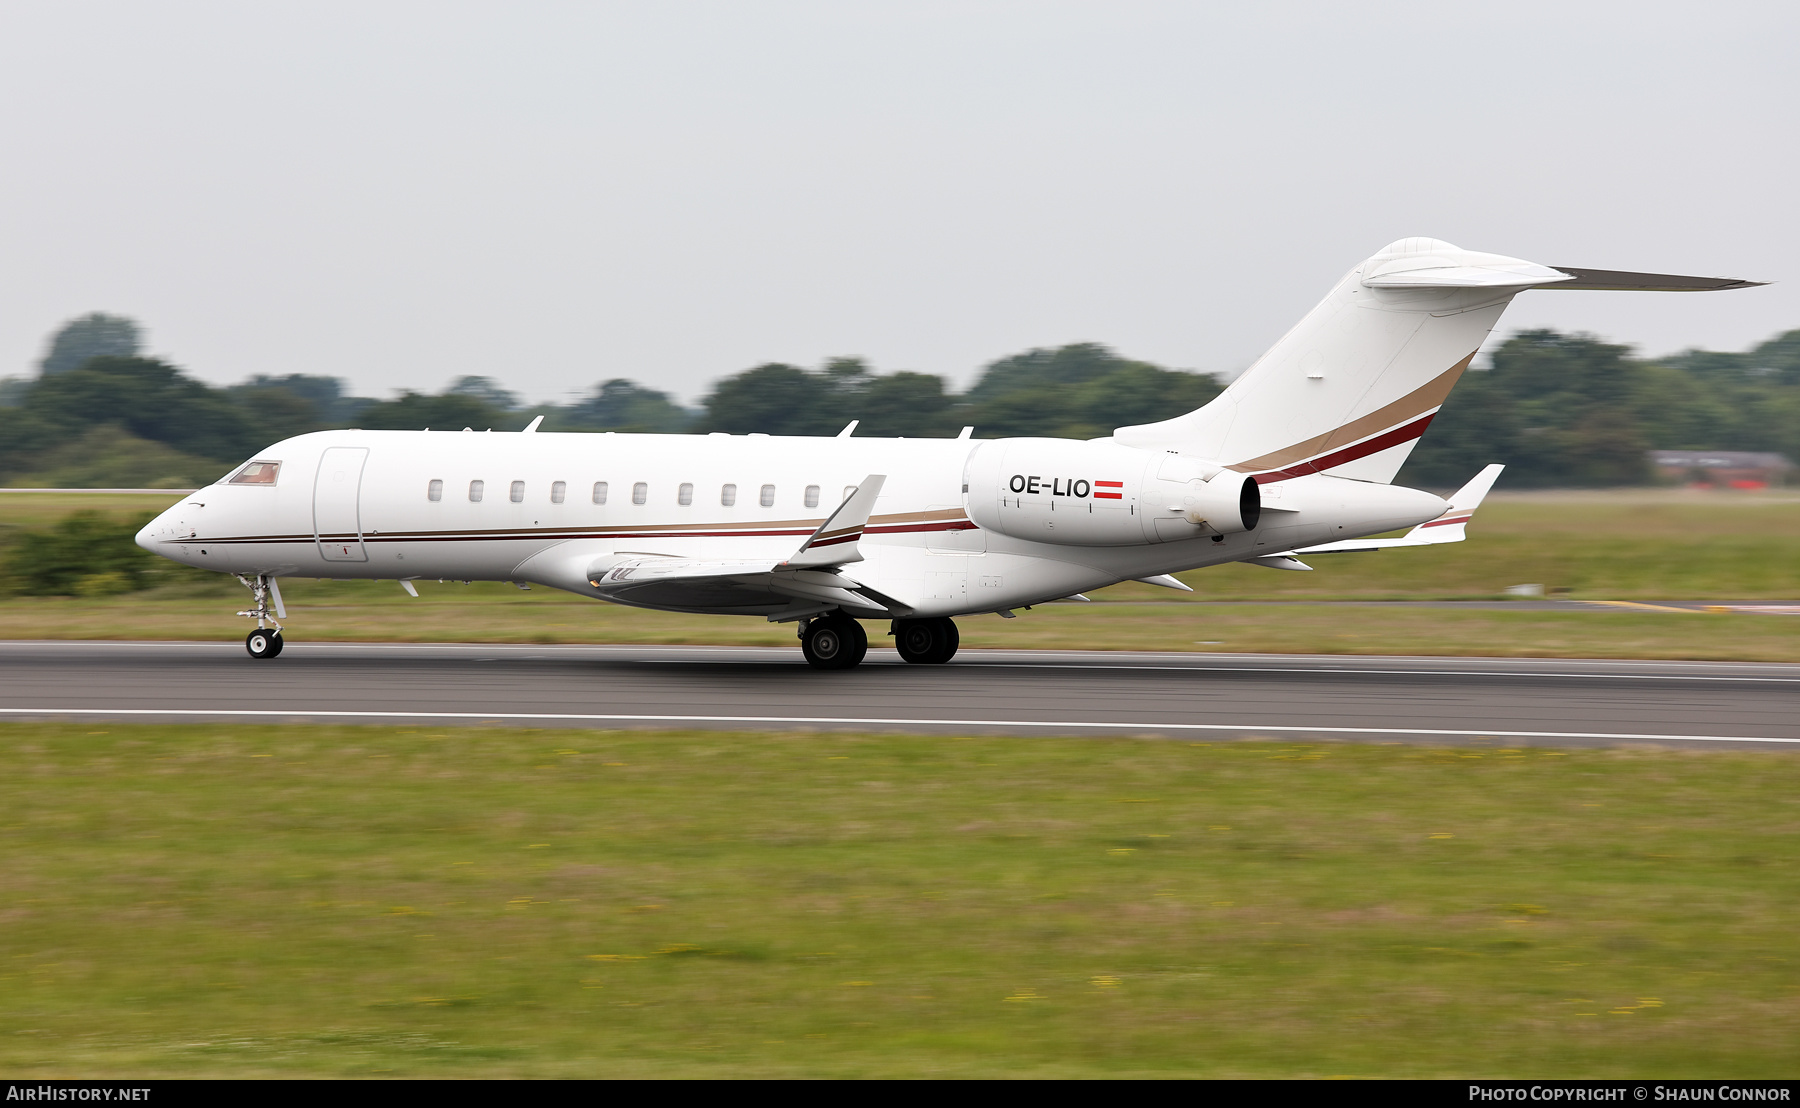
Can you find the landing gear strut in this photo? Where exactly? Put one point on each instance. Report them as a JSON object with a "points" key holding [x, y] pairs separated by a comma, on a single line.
{"points": [[926, 642], [833, 641], [265, 641]]}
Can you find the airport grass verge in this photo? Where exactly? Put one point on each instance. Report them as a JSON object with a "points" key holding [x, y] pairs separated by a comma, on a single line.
{"points": [[221, 900], [379, 612]]}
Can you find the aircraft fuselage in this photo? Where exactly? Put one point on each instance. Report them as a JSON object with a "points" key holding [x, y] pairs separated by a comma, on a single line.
{"points": [[543, 507]]}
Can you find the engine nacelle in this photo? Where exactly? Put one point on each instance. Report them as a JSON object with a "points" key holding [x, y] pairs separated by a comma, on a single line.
{"points": [[1103, 494]]}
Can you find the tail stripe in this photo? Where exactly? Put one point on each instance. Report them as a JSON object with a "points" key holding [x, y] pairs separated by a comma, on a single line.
{"points": [[1425, 398], [1448, 518], [1350, 453]]}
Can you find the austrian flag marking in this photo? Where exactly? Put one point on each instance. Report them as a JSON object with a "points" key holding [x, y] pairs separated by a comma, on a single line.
{"points": [[1101, 487]]}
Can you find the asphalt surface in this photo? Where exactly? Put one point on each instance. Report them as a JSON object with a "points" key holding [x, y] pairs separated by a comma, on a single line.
{"points": [[1193, 696]]}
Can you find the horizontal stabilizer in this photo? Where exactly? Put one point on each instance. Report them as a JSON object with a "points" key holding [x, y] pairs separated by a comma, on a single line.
{"points": [[1448, 527], [1616, 280], [1515, 276], [835, 542]]}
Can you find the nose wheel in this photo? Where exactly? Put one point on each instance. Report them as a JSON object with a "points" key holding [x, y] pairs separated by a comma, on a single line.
{"points": [[833, 641], [263, 642], [926, 642]]}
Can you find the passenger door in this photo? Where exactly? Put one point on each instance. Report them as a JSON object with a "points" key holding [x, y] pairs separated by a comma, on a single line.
{"points": [[337, 520]]}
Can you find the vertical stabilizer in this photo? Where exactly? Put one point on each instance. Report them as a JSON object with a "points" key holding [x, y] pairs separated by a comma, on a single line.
{"points": [[1351, 388]]}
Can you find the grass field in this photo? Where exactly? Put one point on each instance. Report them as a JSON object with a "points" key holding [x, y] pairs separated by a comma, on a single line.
{"points": [[326, 612], [314, 901], [1642, 545]]}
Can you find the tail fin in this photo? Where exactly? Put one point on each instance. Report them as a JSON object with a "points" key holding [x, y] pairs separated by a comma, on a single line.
{"points": [[1351, 388]]}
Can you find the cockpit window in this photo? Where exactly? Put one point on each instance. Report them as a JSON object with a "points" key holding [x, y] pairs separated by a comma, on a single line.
{"points": [[256, 473]]}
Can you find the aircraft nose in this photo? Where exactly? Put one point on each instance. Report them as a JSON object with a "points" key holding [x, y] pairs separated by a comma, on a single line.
{"points": [[146, 536]]}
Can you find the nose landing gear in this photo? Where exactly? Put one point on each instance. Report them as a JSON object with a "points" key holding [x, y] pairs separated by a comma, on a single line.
{"points": [[926, 642], [833, 641], [265, 641]]}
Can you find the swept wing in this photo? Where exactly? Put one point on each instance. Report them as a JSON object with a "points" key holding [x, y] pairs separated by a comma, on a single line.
{"points": [[808, 581]]}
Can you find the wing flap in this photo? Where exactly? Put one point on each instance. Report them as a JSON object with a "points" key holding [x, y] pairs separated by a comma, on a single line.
{"points": [[735, 587]]}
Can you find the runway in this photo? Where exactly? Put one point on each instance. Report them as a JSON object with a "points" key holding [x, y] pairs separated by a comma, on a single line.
{"points": [[1192, 696]]}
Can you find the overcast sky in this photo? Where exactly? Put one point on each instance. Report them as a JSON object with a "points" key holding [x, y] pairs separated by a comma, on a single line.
{"points": [[556, 194]]}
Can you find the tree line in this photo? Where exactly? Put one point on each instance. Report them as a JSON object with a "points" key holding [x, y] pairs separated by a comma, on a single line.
{"points": [[1558, 409], [1573, 410]]}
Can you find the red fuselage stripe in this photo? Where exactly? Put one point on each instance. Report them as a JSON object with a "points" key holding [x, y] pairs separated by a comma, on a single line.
{"points": [[1404, 433]]}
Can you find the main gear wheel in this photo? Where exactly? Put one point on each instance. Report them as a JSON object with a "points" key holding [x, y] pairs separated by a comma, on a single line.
{"points": [[834, 641], [926, 642]]}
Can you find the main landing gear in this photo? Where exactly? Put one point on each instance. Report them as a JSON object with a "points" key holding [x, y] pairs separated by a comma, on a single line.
{"points": [[926, 642], [835, 641], [265, 641]]}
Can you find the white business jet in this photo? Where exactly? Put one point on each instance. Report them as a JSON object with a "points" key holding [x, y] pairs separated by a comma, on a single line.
{"points": [[1295, 458]]}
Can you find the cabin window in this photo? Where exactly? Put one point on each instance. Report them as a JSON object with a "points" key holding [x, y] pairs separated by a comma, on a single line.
{"points": [[728, 495], [685, 494], [434, 492], [599, 492], [640, 493], [559, 491], [768, 496], [812, 496], [475, 490], [256, 473], [849, 491], [518, 492]]}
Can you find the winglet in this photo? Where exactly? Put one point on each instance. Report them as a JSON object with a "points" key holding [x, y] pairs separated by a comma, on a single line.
{"points": [[1445, 528], [534, 425], [835, 542], [1463, 502]]}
